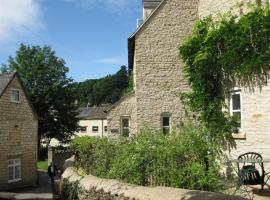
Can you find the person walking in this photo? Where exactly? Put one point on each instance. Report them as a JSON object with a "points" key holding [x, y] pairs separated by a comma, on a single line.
{"points": [[52, 171]]}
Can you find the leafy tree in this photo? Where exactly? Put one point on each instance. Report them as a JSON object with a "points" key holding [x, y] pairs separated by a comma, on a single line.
{"points": [[45, 77], [102, 91]]}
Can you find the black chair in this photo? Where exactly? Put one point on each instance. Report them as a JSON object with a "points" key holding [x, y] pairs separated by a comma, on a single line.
{"points": [[252, 173]]}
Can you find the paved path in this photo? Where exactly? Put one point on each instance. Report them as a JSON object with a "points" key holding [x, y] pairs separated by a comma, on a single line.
{"points": [[42, 192]]}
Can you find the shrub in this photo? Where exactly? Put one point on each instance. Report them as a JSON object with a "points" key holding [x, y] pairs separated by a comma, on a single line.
{"points": [[94, 155], [69, 191], [187, 160]]}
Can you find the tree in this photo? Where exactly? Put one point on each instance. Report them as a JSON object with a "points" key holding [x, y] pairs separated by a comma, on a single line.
{"points": [[102, 91], [45, 78]]}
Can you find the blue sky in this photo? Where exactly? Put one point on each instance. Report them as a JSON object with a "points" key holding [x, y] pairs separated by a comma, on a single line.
{"points": [[90, 35]]}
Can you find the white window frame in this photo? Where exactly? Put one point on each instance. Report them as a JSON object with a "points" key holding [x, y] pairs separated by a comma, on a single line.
{"points": [[166, 115], [236, 91], [125, 128], [12, 97], [12, 166], [105, 128], [96, 130]]}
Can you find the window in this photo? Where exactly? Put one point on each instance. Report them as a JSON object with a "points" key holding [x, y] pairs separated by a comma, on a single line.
{"points": [[94, 129], [83, 129], [166, 123], [14, 170], [15, 95], [105, 128], [235, 107], [125, 126]]}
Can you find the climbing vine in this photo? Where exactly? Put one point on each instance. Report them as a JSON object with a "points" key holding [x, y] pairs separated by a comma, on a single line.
{"points": [[221, 54]]}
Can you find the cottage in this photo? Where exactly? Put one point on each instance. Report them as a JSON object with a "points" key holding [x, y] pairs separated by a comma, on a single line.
{"points": [[18, 134], [92, 122], [158, 77]]}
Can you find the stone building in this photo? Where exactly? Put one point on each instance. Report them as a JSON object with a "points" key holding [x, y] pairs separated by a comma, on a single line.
{"points": [[156, 67], [18, 134], [158, 77]]}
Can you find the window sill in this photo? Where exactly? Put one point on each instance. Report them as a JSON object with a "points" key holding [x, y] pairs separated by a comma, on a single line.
{"points": [[14, 180], [239, 136]]}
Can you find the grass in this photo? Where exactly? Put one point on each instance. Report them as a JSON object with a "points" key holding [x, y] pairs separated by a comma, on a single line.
{"points": [[43, 165]]}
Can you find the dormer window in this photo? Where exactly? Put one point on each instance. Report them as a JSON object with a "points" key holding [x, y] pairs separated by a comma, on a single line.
{"points": [[15, 95]]}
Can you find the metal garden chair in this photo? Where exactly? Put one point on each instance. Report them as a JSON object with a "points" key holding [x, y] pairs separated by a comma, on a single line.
{"points": [[251, 169]]}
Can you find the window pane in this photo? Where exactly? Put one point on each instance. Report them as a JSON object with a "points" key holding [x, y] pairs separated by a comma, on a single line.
{"points": [[17, 172], [125, 123], [10, 173], [83, 128], [238, 118], [125, 132], [166, 121], [166, 130], [105, 128], [95, 128], [236, 104]]}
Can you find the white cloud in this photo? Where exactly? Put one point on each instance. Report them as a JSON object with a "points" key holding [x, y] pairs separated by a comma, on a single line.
{"points": [[110, 5], [19, 18], [113, 60]]}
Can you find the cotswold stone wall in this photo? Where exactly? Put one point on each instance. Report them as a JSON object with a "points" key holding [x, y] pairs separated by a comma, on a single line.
{"points": [[95, 188], [215, 7], [126, 107], [18, 138], [255, 133], [157, 67]]}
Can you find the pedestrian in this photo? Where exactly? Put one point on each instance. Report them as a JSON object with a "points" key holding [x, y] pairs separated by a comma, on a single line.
{"points": [[52, 171]]}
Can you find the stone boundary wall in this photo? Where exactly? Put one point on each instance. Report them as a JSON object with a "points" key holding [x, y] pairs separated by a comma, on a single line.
{"points": [[98, 189]]}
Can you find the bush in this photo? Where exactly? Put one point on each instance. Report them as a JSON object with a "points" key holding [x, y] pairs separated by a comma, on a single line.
{"points": [[187, 160], [69, 191], [94, 155]]}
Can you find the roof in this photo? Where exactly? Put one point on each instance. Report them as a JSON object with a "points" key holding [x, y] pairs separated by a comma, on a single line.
{"points": [[92, 113], [119, 101], [5, 80], [131, 39]]}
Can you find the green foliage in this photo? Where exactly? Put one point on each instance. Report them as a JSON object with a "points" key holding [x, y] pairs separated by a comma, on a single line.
{"points": [[44, 77], [94, 155], [70, 191], [187, 160], [221, 54], [106, 90], [43, 165]]}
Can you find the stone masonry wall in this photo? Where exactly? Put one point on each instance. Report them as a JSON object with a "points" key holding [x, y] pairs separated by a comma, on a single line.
{"points": [[214, 7], [126, 107], [18, 138], [95, 188], [158, 69], [255, 132]]}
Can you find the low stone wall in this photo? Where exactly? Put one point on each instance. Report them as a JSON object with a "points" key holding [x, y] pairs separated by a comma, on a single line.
{"points": [[96, 188]]}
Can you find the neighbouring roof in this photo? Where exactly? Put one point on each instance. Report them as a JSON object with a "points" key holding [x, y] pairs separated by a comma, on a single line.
{"points": [[92, 113], [131, 39], [5, 79]]}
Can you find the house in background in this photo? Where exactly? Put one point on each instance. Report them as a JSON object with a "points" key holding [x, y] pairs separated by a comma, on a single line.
{"points": [[92, 122], [154, 60], [18, 134]]}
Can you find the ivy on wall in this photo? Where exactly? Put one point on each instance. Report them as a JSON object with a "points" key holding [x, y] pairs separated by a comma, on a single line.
{"points": [[233, 50]]}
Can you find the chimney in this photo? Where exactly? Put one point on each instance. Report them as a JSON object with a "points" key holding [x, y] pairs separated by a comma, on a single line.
{"points": [[149, 6]]}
